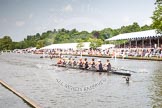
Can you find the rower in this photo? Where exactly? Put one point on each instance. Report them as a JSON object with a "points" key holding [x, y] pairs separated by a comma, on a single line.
{"points": [[74, 63], [108, 65], [92, 63], [85, 63], [70, 62], [64, 62], [100, 68], [80, 63], [59, 61]]}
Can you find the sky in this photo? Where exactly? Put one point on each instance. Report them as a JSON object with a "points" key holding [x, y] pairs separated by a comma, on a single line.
{"points": [[19, 18]]}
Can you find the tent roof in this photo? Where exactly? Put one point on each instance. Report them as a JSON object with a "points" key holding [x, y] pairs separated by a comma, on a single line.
{"points": [[66, 46], [135, 35]]}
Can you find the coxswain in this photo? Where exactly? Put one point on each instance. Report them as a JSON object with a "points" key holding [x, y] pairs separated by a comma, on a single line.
{"points": [[108, 65], [100, 68], [85, 63]]}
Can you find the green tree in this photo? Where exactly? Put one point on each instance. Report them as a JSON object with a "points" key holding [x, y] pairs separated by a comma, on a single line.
{"points": [[5, 43], [157, 16], [95, 43], [48, 41], [130, 28], [135, 27], [40, 44], [146, 27], [108, 33], [80, 44], [16, 45], [1, 44]]}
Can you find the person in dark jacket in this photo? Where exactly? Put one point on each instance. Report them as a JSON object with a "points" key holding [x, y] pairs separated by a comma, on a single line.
{"points": [[108, 66], [99, 66]]}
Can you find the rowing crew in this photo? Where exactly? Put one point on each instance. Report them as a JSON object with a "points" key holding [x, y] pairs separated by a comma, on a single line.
{"points": [[83, 63]]}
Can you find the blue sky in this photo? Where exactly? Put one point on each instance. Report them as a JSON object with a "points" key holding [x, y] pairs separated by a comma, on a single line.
{"points": [[19, 18]]}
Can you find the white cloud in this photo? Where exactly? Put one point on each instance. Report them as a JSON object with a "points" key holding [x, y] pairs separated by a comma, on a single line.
{"points": [[20, 23], [68, 8]]}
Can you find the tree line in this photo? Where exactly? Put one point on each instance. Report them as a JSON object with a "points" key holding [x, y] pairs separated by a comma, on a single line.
{"points": [[68, 36]]}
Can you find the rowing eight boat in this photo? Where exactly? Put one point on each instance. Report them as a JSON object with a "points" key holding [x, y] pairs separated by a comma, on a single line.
{"points": [[121, 72]]}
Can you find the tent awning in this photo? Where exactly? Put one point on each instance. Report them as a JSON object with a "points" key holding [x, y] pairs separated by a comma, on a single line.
{"points": [[135, 35], [86, 45]]}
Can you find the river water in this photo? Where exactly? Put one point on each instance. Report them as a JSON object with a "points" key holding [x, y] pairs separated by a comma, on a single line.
{"points": [[53, 87]]}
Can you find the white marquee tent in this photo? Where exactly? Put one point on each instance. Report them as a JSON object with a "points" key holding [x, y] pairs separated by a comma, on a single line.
{"points": [[74, 46], [67, 46], [135, 35]]}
